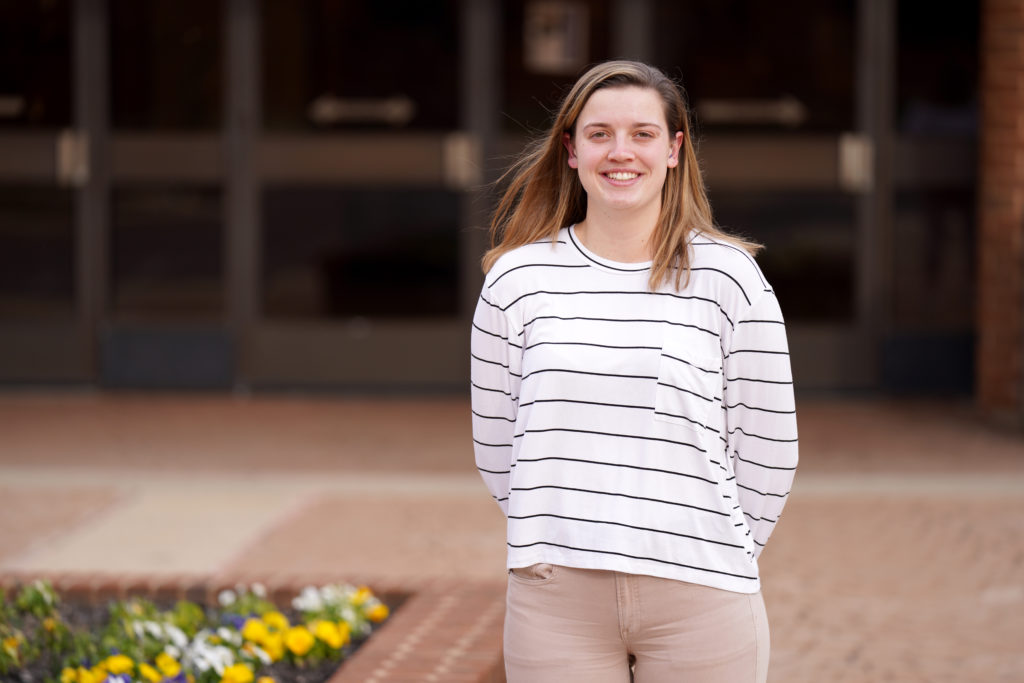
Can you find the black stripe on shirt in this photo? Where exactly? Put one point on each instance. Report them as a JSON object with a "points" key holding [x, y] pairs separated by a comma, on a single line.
{"points": [[758, 464], [494, 334], [687, 297], [763, 493], [493, 417], [497, 391], [586, 372], [589, 403], [616, 464], [762, 381], [627, 526], [536, 265], [758, 436], [621, 436], [734, 280], [623, 495], [619, 320], [742, 251], [601, 346], [763, 410], [633, 557], [697, 367], [673, 386]]}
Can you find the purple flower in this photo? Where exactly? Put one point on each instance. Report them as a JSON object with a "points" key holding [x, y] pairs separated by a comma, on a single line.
{"points": [[236, 620]]}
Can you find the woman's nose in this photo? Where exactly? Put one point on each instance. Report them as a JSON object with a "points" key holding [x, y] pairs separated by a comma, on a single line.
{"points": [[622, 149]]}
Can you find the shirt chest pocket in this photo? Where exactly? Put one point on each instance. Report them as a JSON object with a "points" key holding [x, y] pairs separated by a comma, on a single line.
{"points": [[688, 387]]}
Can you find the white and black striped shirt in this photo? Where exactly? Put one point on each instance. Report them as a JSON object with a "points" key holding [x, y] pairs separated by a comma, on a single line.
{"points": [[630, 430]]}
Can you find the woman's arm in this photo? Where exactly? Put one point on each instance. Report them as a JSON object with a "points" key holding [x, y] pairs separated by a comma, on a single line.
{"points": [[761, 416], [495, 373]]}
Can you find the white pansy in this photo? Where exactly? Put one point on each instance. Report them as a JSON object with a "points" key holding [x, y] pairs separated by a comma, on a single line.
{"points": [[173, 651], [226, 597], [154, 629], [262, 655], [176, 635], [259, 590], [308, 600], [229, 635], [138, 629], [348, 614]]}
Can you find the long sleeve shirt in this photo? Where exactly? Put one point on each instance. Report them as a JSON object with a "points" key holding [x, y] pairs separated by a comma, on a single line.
{"points": [[619, 428]]}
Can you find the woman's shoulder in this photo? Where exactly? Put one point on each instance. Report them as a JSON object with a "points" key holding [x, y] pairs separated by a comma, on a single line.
{"points": [[545, 252], [718, 255]]}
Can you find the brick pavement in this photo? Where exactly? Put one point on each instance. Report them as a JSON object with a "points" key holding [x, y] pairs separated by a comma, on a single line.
{"points": [[899, 558]]}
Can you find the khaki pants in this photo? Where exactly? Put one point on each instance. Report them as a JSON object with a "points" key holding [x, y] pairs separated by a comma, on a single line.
{"points": [[566, 624]]}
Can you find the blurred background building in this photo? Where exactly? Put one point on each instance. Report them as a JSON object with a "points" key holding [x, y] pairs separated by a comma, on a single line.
{"points": [[292, 193]]}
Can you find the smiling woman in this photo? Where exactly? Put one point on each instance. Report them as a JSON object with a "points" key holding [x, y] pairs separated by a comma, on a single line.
{"points": [[633, 410], [622, 149]]}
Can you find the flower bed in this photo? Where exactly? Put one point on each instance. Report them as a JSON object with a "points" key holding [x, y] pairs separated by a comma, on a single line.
{"points": [[244, 638]]}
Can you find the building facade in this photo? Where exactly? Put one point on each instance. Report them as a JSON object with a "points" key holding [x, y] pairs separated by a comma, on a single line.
{"points": [[294, 194]]}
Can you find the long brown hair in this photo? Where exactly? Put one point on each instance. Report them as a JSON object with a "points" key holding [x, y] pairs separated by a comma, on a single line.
{"points": [[544, 195]]}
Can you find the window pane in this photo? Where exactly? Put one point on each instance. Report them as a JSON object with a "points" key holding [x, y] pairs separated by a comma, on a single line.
{"points": [[797, 57], [810, 240], [167, 252], [344, 252], [938, 67], [37, 254], [546, 47], [331, 64], [35, 63], [166, 64]]}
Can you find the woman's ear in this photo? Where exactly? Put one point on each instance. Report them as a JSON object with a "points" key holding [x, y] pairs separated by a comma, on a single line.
{"points": [[567, 141], [673, 150]]}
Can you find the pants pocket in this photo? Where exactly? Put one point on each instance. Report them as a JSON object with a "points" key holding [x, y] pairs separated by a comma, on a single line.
{"points": [[539, 573]]}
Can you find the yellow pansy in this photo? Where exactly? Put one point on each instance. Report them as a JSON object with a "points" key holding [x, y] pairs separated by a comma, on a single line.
{"points": [[68, 675], [361, 595], [328, 632], [299, 640], [345, 630], [276, 620], [237, 673], [90, 675], [265, 679], [378, 612], [168, 666], [255, 630], [50, 624], [119, 664], [150, 674], [11, 644], [274, 645]]}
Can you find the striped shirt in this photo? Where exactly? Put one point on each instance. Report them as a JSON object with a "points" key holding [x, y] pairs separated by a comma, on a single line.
{"points": [[630, 430]]}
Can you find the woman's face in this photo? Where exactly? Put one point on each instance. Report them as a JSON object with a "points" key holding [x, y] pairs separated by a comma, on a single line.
{"points": [[623, 148]]}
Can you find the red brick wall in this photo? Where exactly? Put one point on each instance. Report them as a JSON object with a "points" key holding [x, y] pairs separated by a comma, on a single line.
{"points": [[1000, 350]]}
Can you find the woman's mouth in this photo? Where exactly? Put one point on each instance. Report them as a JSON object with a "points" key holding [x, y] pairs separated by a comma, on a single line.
{"points": [[622, 175]]}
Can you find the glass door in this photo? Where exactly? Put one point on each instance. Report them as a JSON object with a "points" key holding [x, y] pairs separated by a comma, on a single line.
{"points": [[43, 335], [788, 161], [363, 168]]}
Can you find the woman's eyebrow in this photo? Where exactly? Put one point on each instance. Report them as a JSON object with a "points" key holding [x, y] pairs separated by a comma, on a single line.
{"points": [[641, 124]]}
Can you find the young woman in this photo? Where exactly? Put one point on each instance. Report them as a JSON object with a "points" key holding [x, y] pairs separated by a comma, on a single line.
{"points": [[633, 407]]}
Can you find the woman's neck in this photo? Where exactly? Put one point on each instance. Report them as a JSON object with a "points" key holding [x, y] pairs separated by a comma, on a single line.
{"points": [[617, 238]]}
